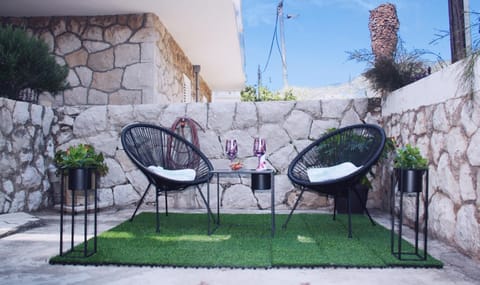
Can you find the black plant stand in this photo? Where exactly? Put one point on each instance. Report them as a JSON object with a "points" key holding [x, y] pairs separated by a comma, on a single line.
{"points": [[396, 243], [73, 209]]}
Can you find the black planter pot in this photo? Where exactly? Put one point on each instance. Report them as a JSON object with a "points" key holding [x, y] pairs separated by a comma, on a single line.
{"points": [[356, 206], [80, 178], [410, 180]]}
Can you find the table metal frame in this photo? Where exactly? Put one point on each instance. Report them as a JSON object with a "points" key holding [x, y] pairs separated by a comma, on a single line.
{"points": [[229, 172]]}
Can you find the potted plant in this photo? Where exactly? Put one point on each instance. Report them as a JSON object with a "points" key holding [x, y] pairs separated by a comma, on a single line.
{"points": [[80, 162], [410, 166]]}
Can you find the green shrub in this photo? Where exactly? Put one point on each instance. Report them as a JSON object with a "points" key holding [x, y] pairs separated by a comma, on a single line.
{"points": [[25, 63], [249, 95], [386, 75], [409, 157]]}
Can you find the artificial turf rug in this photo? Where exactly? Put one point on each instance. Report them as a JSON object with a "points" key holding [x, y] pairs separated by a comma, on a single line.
{"points": [[244, 241]]}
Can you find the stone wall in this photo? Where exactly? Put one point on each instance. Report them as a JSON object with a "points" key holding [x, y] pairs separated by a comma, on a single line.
{"points": [[26, 152], [443, 120], [287, 126], [114, 60], [32, 133]]}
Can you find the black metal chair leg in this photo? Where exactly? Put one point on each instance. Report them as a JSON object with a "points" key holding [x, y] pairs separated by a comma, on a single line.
{"points": [[335, 197], [156, 207], [141, 201], [349, 206], [206, 204], [293, 209], [166, 203], [364, 205]]}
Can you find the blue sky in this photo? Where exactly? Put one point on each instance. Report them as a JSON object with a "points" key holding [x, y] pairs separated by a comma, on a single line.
{"points": [[322, 31]]}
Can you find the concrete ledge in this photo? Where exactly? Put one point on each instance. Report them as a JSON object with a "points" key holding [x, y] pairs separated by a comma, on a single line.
{"points": [[436, 88], [15, 222]]}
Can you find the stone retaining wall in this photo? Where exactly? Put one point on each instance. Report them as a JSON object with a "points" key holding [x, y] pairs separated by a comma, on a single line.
{"points": [[30, 134], [26, 153], [287, 126], [444, 122], [119, 59]]}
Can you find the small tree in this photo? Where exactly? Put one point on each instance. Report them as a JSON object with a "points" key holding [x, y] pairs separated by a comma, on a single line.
{"points": [[25, 63]]}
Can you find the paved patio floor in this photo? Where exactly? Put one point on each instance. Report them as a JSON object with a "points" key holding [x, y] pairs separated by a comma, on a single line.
{"points": [[27, 241]]}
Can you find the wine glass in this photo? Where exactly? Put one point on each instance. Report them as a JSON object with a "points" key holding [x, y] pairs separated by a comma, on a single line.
{"points": [[259, 149], [231, 149]]}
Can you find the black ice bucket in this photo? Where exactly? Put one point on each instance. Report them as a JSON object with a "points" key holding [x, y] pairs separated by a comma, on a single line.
{"points": [[261, 181]]}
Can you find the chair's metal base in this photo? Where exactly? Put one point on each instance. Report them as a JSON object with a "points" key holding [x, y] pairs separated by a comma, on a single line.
{"points": [[157, 210], [352, 189], [140, 202]]}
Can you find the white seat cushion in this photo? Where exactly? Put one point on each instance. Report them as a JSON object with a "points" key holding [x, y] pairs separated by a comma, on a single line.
{"points": [[177, 175], [321, 174]]}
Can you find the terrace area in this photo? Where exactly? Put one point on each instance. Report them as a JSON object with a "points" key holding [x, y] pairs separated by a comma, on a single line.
{"points": [[133, 67], [38, 241]]}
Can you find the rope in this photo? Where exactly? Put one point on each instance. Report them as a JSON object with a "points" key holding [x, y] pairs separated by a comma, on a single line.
{"points": [[178, 127]]}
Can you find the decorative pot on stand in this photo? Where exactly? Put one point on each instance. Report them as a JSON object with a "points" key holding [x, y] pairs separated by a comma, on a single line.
{"points": [[410, 180], [80, 182]]}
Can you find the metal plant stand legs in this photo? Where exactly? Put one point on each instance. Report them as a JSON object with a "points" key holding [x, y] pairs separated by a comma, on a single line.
{"points": [[86, 250], [396, 242]]}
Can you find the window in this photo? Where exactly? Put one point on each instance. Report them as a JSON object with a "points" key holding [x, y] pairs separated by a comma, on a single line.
{"points": [[187, 89]]}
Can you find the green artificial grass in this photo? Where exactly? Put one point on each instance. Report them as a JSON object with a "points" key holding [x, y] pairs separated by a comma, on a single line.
{"points": [[244, 241]]}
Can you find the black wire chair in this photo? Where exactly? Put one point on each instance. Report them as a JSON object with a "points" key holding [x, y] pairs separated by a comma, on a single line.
{"points": [[360, 145], [151, 145]]}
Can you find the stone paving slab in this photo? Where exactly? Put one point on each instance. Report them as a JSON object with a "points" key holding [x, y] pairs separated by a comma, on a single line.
{"points": [[27, 249], [15, 222]]}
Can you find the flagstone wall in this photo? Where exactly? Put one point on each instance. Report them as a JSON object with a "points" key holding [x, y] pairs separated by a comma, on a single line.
{"points": [[442, 118], [287, 127], [26, 152], [30, 134], [117, 60]]}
